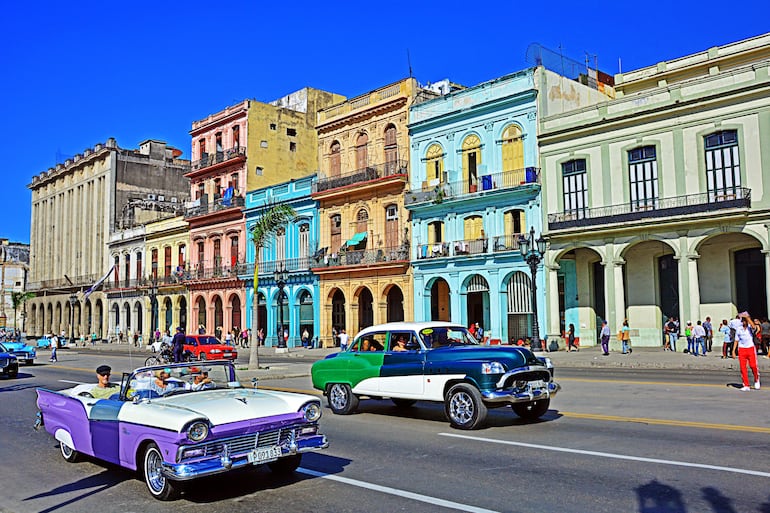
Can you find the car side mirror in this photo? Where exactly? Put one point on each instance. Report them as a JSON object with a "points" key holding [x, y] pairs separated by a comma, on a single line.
{"points": [[254, 383]]}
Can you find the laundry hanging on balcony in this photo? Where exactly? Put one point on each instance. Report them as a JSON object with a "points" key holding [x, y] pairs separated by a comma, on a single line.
{"points": [[356, 239]]}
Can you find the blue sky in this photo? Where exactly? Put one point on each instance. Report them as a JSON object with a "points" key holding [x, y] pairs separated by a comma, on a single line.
{"points": [[76, 73]]}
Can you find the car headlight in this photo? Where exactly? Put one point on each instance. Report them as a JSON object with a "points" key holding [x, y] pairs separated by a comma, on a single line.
{"points": [[198, 431], [215, 351], [311, 411], [492, 368]]}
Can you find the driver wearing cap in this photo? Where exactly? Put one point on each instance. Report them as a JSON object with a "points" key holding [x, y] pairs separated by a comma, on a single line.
{"points": [[104, 389], [201, 379]]}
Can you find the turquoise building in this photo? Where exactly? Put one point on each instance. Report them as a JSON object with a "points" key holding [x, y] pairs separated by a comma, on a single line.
{"points": [[474, 191], [295, 308]]}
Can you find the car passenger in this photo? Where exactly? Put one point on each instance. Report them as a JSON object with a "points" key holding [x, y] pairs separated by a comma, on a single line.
{"points": [[163, 382], [104, 389], [201, 379], [400, 344]]}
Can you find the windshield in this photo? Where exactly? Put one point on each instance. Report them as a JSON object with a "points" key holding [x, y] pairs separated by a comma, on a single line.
{"points": [[208, 341], [447, 336], [160, 381], [3, 349]]}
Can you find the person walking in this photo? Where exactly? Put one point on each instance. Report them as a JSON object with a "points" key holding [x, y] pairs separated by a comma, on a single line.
{"points": [[688, 334], [625, 338], [709, 333], [604, 336], [54, 347], [727, 349], [177, 345], [746, 351], [571, 339], [343, 340]]}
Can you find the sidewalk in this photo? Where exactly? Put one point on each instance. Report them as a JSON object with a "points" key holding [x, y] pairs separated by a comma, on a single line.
{"points": [[298, 361]]}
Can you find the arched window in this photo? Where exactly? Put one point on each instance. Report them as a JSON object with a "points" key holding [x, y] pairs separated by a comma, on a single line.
{"points": [[362, 221], [303, 243], [336, 232], [391, 151], [513, 150], [471, 161], [434, 165], [280, 245], [334, 160], [362, 156]]}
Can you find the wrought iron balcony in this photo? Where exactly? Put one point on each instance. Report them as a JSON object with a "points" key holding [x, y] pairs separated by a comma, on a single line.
{"points": [[364, 257], [209, 159], [500, 243], [367, 174], [218, 205], [738, 197], [215, 272], [437, 192], [77, 281]]}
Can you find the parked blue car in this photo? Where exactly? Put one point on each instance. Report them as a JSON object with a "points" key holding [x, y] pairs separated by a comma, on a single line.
{"points": [[43, 342], [9, 365], [22, 351]]}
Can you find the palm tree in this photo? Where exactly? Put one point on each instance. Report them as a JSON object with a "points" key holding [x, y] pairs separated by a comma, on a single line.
{"points": [[273, 217], [18, 299]]}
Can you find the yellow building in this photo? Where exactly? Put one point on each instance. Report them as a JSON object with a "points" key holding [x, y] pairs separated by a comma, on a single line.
{"points": [[166, 253], [363, 257]]}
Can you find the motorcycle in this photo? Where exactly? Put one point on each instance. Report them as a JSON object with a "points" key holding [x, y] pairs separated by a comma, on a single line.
{"points": [[165, 356]]}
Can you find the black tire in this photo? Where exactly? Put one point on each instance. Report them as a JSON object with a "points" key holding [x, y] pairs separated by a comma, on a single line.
{"points": [[159, 486], [152, 360], [532, 410], [464, 408], [13, 374], [30, 363], [286, 465], [403, 403], [68, 453], [342, 400]]}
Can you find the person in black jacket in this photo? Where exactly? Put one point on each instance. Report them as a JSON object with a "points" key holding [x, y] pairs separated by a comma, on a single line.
{"points": [[177, 345]]}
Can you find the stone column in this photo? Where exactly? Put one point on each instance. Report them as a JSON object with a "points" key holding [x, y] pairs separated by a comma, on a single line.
{"points": [[767, 278], [552, 302], [694, 287]]}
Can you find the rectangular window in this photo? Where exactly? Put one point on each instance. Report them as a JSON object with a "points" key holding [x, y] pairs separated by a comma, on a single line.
{"points": [[233, 251], [259, 171], [263, 144], [723, 170], [167, 261], [292, 146], [575, 188], [201, 256], [336, 233], [272, 126], [236, 136], [280, 246], [291, 132], [182, 257], [139, 265], [643, 178], [218, 139], [304, 241]]}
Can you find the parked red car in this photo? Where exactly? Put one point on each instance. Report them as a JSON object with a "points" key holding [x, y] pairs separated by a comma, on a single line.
{"points": [[208, 347]]}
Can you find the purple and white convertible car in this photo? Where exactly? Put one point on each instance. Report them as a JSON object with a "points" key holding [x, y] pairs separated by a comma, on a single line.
{"points": [[178, 422]]}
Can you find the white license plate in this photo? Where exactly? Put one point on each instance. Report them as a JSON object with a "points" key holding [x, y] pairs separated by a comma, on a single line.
{"points": [[263, 454], [228, 354], [537, 384]]}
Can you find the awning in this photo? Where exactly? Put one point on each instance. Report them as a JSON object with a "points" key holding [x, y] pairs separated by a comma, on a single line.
{"points": [[356, 239]]}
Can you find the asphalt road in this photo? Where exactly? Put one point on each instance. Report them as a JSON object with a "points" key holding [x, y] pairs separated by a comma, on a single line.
{"points": [[615, 440]]}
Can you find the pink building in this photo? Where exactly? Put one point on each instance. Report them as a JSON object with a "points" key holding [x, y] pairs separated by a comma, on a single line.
{"points": [[217, 227]]}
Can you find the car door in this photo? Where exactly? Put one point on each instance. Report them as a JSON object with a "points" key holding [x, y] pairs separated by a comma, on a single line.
{"points": [[191, 344], [66, 419], [403, 372], [105, 432], [365, 361]]}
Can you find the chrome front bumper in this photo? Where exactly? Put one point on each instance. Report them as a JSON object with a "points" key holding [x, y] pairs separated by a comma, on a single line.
{"points": [[226, 462], [521, 395]]}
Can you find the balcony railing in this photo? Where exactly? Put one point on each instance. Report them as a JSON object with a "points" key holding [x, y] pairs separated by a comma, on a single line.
{"points": [[218, 205], [437, 192], [369, 173], [77, 281], [364, 257], [360, 102], [468, 247], [214, 272], [739, 197], [209, 159]]}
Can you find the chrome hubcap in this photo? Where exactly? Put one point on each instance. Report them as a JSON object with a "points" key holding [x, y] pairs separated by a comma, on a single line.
{"points": [[338, 396], [66, 450], [152, 471], [461, 408]]}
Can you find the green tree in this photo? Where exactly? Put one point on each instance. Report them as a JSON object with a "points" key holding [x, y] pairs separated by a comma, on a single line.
{"points": [[272, 218], [18, 299]]}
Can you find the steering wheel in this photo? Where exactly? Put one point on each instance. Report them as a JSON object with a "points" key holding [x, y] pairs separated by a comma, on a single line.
{"points": [[86, 394]]}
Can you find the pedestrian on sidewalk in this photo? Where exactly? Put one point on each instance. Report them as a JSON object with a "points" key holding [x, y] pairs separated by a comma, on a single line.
{"points": [[699, 338], [709, 333], [765, 325], [672, 328], [54, 347], [604, 336], [690, 339], [571, 339], [727, 344], [625, 338], [747, 352], [343, 340]]}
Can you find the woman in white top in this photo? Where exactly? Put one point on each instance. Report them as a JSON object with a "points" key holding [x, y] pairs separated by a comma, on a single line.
{"points": [[747, 353]]}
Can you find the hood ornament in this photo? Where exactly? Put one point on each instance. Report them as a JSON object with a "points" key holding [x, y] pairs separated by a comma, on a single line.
{"points": [[241, 399]]}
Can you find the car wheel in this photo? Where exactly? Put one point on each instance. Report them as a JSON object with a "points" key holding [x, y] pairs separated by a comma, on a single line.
{"points": [[464, 407], [532, 410], [285, 466], [403, 403], [159, 485], [342, 400], [152, 360], [201, 356], [68, 453], [13, 373]]}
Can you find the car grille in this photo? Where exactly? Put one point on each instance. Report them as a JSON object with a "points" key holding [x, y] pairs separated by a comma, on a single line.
{"points": [[246, 443]]}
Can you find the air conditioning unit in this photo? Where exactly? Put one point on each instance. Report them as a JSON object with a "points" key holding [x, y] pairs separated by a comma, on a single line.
{"points": [[151, 197], [174, 199], [161, 198]]}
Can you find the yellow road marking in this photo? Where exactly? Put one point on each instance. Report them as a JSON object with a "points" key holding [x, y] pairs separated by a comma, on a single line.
{"points": [[666, 422]]}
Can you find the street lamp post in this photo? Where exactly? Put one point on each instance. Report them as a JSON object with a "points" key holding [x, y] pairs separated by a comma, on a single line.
{"points": [[532, 251], [280, 275], [73, 299], [153, 306]]}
